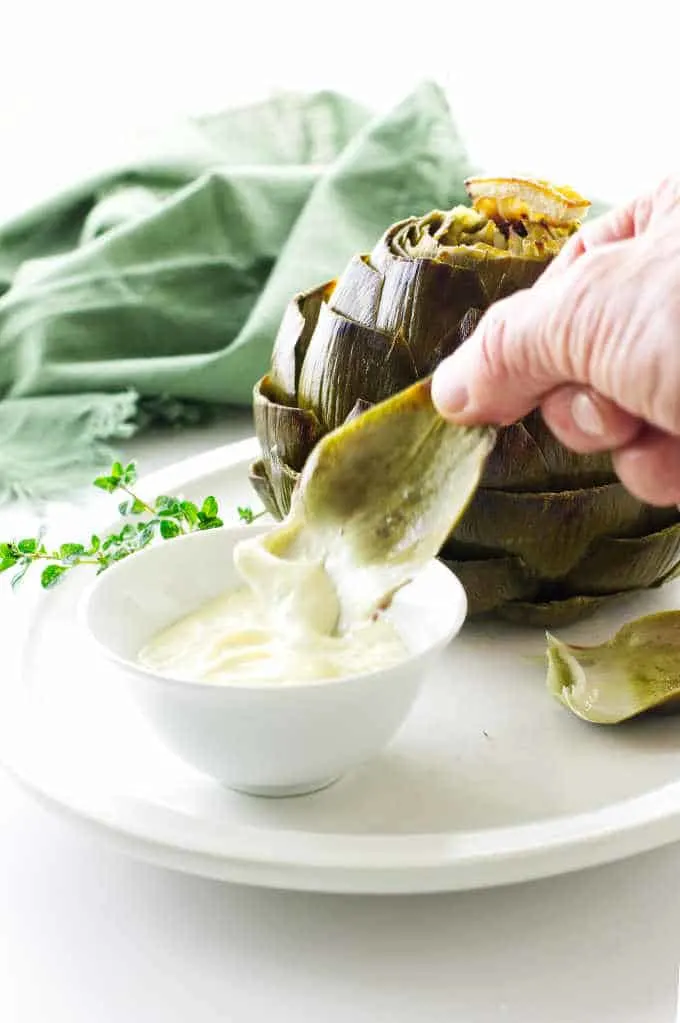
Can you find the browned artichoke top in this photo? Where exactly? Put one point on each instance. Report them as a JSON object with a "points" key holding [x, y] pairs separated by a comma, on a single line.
{"points": [[393, 315], [509, 216]]}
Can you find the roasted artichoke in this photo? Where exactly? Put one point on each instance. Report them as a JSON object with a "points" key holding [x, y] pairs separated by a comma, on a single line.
{"points": [[549, 534]]}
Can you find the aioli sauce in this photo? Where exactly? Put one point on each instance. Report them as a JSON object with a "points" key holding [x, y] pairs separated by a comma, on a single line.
{"points": [[234, 640], [280, 628]]}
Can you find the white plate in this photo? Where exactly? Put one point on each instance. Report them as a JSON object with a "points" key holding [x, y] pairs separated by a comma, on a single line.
{"points": [[490, 781]]}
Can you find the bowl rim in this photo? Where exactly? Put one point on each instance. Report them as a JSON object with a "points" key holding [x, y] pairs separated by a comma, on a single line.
{"points": [[235, 533]]}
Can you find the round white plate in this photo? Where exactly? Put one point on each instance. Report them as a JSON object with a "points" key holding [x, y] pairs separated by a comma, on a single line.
{"points": [[490, 781]]}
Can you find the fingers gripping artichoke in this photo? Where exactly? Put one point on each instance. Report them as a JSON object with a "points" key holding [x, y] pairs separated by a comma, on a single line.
{"points": [[549, 534]]}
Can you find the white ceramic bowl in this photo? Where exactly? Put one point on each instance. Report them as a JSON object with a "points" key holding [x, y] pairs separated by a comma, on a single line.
{"points": [[272, 740]]}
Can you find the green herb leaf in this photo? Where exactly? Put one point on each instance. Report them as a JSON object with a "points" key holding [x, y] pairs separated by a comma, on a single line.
{"points": [[170, 528], [118, 555], [145, 537], [68, 550], [190, 512], [7, 562], [167, 506], [107, 483], [209, 508], [117, 470], [245, 514], [51, 575], [133, 506], [29, 546], [130, 474], [210, 524]]}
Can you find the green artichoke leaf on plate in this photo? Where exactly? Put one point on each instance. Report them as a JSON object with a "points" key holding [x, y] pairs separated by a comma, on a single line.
{"points": [[374, 502], [635, 671]]}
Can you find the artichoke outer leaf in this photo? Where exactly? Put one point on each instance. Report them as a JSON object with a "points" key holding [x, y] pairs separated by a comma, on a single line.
{"points": [[616, 564], [346, 360], [259, 481], [357, 293], [528, 457], [358, 408], [492, 581], [274, 482], [551, 532], [433, 306], [290, 431], [550, 614], [636, 671], [499, 274], [293, 337]]}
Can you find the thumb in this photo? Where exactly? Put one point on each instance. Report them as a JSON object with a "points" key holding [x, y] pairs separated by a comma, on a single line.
{"points": [[537, 340], [507, 366]]}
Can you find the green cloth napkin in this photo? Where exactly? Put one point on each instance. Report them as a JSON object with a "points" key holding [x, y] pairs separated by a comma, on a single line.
{"points": [[161, 284]]}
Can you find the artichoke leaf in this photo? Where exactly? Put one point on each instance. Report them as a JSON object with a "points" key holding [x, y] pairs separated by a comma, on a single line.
{"points": [[500, 274], [259, 481], [274, 483], [549, 614], [490, 581], [292, 340], [636, 671], [551, 532], [290, 431], [341, 364], [378, 497], [615, 564], [528, 457], [360, 406], [432, 306], [357, 294]]}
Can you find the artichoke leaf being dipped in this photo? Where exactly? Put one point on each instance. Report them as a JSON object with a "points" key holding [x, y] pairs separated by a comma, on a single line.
{"points": [[374, 503], [636, 671], [550, 535]]}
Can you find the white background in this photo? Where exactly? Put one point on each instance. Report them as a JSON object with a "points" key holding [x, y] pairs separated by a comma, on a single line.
{"points": [[583, 91], [587, 93]]}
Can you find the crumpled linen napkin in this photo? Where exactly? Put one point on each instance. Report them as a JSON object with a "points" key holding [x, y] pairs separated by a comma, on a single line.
{"points": [[165, 281]]}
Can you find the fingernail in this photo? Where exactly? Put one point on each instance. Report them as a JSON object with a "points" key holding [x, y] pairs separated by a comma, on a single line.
{"points": [[449, 394], [586, 415], [453, 399]]}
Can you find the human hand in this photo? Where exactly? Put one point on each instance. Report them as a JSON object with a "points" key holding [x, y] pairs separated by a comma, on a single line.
{"points": [[595, 343]]}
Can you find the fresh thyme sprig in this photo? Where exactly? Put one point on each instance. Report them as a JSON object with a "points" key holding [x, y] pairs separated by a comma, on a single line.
{"points": [[169, 517]]}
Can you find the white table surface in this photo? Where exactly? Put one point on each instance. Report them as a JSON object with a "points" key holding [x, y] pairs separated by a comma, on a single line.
{"points": [[90, 936]]}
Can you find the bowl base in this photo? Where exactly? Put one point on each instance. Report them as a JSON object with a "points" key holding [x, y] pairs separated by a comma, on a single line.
{"points": [[283, 791]]}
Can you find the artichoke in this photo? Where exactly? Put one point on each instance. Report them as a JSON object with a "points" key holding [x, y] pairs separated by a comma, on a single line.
{"points": [[635, 672], [549, 535]]}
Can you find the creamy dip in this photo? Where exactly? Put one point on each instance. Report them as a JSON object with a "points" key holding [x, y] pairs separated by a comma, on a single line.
{"points": [[283, 626], [237, 639]]}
